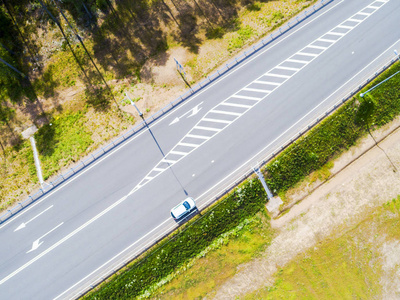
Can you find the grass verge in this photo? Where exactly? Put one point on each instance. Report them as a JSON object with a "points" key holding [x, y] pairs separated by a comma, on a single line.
{"points": [[348, 266]]}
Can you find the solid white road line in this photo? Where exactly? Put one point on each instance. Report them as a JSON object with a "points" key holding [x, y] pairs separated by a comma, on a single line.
{"points": [[23, 225]]}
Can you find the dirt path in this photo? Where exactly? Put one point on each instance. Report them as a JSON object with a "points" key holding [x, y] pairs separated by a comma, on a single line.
{"points": [[363, 178]]}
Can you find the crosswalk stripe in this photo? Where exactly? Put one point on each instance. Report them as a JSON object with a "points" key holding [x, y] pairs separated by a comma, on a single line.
{"points": [[307, 54], [326, 40], [188, 145], [246, 97], [178, 153], [206, 128], [363, 13], [256, 90], [159, 169], [216, 120], [277, 75], [236, 105], [317, 47], [266, 82], [225, 112], [287, 68], [354, 20], [168, 161], [345, 27], [336, 33], [297, 61], [195, 136]]}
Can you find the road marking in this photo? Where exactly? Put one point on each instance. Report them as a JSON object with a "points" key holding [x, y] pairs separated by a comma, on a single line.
{"points": [[159, 169], [189, 145], [246, 97], [178, 153], [277, 75], [317, 47], [354, 20], [307, 54], [225, 112], [214, 120], [168, 161], [195, 136], [345, 26], [326, 40], [37, 243], [256, 90], [287, 68], [236, 105], [363, 13], [337, 33], [297, 61], [266, 82], [194, 111], [23, 225], [207, 128]]}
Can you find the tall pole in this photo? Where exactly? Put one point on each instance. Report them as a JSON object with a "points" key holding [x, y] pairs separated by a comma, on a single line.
{"points": [[133, 103]]}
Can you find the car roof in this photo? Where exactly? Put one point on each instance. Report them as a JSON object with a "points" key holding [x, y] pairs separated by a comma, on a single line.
{"points": [[180, 209]]}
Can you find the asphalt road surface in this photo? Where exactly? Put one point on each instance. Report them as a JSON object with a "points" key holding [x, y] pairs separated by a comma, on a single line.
{"points": [[80, 231]]}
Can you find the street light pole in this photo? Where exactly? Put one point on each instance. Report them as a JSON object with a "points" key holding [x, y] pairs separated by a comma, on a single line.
{"points": [[398, 56], [374, 87], [133, 103]]}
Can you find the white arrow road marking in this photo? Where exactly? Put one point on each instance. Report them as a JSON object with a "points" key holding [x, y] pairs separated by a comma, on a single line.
{"points": [[194, 111], [23, 225], [36, 243], [67, 237]]}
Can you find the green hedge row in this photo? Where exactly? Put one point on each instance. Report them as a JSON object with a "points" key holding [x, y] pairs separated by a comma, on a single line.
{"points": [[242, 203], [335, 134]]}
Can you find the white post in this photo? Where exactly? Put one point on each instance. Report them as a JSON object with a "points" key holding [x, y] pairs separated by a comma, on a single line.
{"points": [[37, 162]]}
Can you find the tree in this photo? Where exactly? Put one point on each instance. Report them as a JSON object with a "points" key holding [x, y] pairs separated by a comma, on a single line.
{"points": [[366, 116]]}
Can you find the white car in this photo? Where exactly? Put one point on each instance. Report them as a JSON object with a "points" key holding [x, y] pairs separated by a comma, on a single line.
{"points": [[183, 208]]}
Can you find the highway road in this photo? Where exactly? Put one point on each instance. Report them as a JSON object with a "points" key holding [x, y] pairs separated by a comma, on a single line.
{"points": [[57, 247]]}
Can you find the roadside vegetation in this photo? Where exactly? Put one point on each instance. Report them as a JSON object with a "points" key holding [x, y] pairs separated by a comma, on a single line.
{"points": [[126, 46], [311, 153], [347, 265]]}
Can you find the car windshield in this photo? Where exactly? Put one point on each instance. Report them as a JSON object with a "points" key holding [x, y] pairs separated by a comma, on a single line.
{"points": [[186, 205]]}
